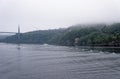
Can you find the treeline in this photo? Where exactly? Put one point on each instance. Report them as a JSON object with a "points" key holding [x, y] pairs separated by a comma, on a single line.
{"points": [[90, 35]]}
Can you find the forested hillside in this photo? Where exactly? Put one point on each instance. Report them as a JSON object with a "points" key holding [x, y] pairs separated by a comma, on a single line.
{"points": [[91, 34]]}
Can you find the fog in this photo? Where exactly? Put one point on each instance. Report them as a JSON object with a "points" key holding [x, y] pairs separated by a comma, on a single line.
{"points": [[52, 14]]}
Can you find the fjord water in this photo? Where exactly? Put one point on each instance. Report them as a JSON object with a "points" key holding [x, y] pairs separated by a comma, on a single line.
{"points": [[56, 62]]}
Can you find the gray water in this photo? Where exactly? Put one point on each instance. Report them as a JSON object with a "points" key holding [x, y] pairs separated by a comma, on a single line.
{"points": [[57, 62]]}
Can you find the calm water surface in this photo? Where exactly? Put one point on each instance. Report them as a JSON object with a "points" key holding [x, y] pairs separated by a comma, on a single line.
{"points": [[57, 62]]}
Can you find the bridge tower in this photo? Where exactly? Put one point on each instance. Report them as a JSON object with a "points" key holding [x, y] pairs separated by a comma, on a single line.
{"points": [[18, 35], [18, 29]]}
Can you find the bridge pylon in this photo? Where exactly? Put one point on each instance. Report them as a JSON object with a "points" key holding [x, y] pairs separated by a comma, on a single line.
{"points": [[18, 34]]}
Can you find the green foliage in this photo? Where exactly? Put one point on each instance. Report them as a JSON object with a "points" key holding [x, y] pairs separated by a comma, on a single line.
{"points": [[96, 34]]}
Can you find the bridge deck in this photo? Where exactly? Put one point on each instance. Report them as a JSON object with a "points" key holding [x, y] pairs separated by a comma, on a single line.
{"points": [[9, 32]]}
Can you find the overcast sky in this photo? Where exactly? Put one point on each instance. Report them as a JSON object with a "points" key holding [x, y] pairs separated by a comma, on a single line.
{"points": [[49, 14]]}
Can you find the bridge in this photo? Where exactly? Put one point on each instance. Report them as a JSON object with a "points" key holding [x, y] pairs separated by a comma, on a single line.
{"points": [[4, 35], [8, 33]]}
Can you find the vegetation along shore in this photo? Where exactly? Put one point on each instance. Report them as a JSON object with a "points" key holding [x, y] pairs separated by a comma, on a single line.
{"points": [[80, 35]]}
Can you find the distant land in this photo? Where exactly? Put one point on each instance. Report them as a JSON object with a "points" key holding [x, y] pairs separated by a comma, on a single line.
{"points": [[5, 35], [80, 35]]}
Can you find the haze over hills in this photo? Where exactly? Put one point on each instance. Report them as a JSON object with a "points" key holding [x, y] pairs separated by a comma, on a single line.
{"points": [[5, 35]]}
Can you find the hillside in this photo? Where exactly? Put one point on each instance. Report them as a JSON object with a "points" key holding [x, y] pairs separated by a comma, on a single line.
{"points": [[94, 34], [37, 37]]}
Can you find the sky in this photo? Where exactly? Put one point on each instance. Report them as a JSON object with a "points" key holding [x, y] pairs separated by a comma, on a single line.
{"points": [[52, 14]]}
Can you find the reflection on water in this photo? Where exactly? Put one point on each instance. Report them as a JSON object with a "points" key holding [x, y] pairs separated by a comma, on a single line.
{"points": [[18, 46], [58, 62]]}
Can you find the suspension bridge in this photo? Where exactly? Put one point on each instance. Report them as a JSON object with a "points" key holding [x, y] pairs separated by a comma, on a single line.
{"points": [[10, 33], [6, 34]]}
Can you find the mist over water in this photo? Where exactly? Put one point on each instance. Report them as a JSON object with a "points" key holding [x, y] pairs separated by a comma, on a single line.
{"points": [[56, 62]]}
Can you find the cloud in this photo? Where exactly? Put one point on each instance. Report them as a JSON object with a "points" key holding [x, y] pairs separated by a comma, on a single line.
{"points": [[46, 14]]}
